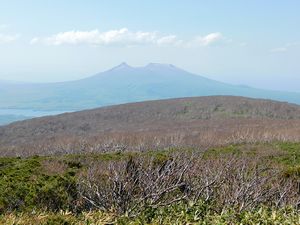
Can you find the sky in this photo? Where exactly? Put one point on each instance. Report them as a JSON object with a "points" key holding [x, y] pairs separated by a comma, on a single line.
{"points": [[251, 42]]}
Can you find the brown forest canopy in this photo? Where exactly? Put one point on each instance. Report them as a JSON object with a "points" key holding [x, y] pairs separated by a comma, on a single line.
{"points": [[186, 119]]}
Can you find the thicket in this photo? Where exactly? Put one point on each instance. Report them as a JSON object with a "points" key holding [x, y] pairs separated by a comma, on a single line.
{"points": [[233, 184]]}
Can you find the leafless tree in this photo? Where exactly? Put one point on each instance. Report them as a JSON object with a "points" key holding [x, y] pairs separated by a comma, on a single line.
{"points": [[232, 182]]}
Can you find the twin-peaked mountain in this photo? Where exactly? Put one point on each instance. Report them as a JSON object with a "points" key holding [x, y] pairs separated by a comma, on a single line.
{"points": [[124, 84]]}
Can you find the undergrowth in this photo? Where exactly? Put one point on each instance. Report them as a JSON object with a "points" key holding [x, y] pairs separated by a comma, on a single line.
{"points": [[42, 190]]}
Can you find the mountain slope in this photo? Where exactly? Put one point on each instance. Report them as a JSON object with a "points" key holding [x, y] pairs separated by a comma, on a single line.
{"points": [[220, 117], [124, 84]]}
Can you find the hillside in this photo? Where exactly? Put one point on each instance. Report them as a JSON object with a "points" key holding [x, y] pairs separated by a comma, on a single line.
{"points": [[123, 84], [188, 120]]}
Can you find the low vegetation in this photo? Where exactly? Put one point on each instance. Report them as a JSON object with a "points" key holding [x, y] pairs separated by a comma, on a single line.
{"points": [[238, 184], [200, 122], [176, 214]]}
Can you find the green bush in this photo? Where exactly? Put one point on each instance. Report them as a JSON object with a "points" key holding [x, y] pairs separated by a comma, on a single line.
{"points": [[49, 184], [25, 186]]}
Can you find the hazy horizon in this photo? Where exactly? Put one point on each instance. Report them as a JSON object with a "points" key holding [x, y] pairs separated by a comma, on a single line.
{"points": [[139, 66], [250, 43]]}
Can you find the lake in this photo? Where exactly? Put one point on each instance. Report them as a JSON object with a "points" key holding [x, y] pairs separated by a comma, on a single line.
{"points": [[11, 115], [29, 112]]}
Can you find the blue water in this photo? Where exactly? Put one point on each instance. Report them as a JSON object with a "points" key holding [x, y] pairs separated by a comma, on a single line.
{"points": [[28, 112]]}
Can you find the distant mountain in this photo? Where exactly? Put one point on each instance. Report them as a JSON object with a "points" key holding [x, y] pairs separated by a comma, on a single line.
{"points": [[123, 84]]}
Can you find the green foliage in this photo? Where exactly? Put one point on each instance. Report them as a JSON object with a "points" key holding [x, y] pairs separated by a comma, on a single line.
{"points": [[177, 214], [25, 186], [204, 214], [222, 151], [290, 153], [16, 182], [48, 185]]}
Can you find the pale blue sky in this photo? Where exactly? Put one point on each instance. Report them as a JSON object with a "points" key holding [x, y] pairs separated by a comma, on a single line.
{"points": [[251, 42]]}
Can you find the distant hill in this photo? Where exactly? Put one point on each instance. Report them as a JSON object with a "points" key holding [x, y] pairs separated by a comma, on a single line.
{"points": [[183, 117], [124, 84]]}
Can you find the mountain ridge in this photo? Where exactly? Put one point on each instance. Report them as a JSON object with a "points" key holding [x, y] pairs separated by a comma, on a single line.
{"points": [[124, 84]]}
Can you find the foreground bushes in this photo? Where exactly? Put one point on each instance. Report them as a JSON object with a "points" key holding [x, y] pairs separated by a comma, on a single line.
{"points": [[230, 183], [24, 186], [236, 184]]}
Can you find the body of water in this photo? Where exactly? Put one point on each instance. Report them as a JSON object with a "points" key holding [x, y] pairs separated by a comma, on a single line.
{"points": [[28, 112]]}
